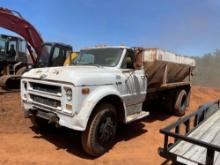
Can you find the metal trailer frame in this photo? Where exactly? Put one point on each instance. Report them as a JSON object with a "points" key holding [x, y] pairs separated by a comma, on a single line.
{"points": [[173, 131]]}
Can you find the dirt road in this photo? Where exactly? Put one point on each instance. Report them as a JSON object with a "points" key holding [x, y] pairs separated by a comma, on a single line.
{"points": [[137, 143]]}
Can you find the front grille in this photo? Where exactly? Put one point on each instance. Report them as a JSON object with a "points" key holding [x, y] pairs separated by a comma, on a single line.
{"points": [[45, 101], [46, 88]]}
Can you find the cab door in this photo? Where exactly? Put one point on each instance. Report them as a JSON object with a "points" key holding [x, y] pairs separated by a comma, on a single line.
{"points": [[133, 87]]}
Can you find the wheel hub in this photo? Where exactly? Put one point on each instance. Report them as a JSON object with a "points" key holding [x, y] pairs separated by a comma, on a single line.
{"points": [[106, 130]]}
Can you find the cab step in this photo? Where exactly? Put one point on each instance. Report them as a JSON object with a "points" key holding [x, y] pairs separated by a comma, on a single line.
{"points": [[136, 116]]}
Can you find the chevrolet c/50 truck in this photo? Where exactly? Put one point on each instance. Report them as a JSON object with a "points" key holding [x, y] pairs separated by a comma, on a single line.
{"points": [[106, 86]]}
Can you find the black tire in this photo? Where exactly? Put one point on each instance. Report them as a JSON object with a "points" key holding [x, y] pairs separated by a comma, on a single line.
{"points": [[38, 122], [101, 129], [181, 103]]}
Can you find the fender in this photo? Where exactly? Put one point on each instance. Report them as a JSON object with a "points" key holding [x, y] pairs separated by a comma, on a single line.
{"points": [[91, 101]]}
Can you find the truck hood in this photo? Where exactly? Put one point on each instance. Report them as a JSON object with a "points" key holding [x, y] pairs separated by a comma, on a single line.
{"points": [[77, 75]]}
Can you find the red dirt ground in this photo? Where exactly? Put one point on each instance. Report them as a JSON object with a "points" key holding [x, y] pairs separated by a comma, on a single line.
{"points": [[137, 143]]}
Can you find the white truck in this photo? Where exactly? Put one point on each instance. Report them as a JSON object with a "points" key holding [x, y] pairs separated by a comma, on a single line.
{"points": [[105, 86]]}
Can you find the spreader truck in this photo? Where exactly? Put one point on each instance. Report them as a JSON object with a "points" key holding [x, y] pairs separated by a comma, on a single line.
{"points": [[106, 86]]}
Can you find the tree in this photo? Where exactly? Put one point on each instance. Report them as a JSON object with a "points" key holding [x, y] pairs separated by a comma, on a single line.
{"points": [[208, 70]]}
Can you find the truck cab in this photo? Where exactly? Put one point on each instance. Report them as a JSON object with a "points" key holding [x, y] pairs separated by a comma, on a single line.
{"points": [[12, 50], [128, 80], [19, 46]]}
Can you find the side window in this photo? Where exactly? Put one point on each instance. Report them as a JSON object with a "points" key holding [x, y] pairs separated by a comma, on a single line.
{"points": [[128, 60], [22, 46], [59, 57], [2, 46], [12, 45]]}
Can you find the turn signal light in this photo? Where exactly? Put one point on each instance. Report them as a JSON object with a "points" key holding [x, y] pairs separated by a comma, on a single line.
{"points": [[85, 91], [69, 107]]}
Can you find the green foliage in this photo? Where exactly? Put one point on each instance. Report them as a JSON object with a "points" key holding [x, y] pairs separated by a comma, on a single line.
{"points": [[208, 70]]}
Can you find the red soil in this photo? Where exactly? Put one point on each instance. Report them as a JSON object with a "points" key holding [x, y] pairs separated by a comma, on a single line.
{"points": [[137, 143]]}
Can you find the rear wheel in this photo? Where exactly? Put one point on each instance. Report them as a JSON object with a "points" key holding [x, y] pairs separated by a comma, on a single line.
{"points": [[181, 103], [101, 129]]}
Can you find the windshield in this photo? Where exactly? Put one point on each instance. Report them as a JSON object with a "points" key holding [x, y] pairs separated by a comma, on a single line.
{"points": [[44, 57], [101, 56]]}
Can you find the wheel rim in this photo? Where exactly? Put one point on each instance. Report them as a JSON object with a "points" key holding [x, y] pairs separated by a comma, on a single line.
{"points": [[106, 130]]}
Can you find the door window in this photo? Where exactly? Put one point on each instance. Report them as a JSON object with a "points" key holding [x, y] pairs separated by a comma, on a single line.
{"points": [[128, 60]]}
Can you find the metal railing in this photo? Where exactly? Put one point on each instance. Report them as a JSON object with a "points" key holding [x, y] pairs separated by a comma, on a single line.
{"points": [[190, 123]]}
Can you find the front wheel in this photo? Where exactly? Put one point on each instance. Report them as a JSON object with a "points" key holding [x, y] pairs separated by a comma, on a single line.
{"points": [[101, 129]]}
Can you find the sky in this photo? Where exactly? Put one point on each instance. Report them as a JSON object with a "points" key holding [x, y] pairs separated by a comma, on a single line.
{"points": [[187, 27]]}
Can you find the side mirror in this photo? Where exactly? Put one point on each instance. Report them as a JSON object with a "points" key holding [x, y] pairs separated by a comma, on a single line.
{"points": [[138, 63]]}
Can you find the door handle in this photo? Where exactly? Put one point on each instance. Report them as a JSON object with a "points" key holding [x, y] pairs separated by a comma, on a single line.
{"points": [[143, 77], [118, 83]]}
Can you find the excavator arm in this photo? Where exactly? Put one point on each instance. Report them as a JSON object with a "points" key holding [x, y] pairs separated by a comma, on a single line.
{"points": [[13, 21]]}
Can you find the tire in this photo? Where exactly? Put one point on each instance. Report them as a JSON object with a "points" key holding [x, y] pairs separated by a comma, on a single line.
{"points": [[100, 132], [38, 122], [181, 103]]}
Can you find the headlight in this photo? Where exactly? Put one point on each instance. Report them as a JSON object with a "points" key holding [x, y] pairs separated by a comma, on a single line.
{"points": [[69, 94]]}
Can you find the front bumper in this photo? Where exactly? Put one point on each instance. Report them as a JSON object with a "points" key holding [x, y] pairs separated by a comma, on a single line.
{"points": [[48, 101], [72, 122]]}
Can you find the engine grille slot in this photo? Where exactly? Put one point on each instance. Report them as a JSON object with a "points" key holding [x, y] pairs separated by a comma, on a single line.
{"points": [[45, 101], [46, 88]]}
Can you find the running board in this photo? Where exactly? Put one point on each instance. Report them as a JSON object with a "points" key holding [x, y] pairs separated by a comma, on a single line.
{"points": [[136, 116]]}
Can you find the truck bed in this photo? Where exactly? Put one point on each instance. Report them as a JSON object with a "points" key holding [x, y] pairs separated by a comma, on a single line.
{"points": [[201, 144], [173, 68]]}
